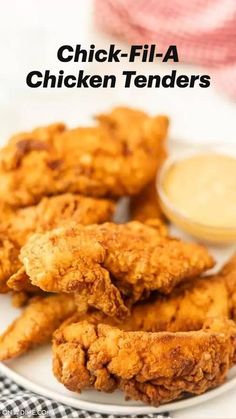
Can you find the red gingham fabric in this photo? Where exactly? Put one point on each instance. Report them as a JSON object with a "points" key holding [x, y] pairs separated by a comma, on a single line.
{"points": [[203, 30]]}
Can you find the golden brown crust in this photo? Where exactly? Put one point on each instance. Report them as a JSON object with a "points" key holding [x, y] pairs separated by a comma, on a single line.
{"points": [[76, 269], [35, 325], [51, 212], [146, 205], [228, 273], [9, 262], [133, 256], [87, 354], [20, 281], [18, 224], [152, 367], [159, 225], [185, 309], [115, 158]]}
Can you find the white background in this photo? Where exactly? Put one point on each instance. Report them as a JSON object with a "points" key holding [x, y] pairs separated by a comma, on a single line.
{"points": [[30, 34]]}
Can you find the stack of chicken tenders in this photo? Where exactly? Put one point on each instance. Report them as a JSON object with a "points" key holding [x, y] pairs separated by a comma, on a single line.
{"points": [[126, 306]]}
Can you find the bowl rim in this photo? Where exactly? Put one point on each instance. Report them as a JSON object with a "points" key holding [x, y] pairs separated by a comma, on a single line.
{"points": [[167, 202]]}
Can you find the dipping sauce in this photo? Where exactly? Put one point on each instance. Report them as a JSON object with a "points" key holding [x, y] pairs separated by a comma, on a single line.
{"points": [[198, 193]]}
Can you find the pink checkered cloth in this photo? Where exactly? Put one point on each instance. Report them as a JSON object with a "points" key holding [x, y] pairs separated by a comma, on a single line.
{"points": [[203, 30]]}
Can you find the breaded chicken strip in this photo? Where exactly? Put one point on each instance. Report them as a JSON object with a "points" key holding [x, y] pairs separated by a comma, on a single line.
{"points": [[90, 260], [17, 225], [146, 205], [228, 273], [9, 262], [185, 309], [20, 282], [117, 157], [36, 324], [152, 367], [22, 298]]}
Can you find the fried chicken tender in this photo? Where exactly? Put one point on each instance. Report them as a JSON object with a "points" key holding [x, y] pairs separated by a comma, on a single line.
{"points": [[100, 261], [228, 274], [20, 282], [146, 205], [36, 324], [117, 157], [9, 262], [18, 224], [22, 298], [44, 134], [152, 367], [53, 211], [185, 309]]}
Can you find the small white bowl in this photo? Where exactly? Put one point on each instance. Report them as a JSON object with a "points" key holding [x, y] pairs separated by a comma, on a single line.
{"points": [[210, 233]]}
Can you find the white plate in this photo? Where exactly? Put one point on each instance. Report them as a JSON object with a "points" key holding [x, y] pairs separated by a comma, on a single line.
{"points": [[33, 371]]}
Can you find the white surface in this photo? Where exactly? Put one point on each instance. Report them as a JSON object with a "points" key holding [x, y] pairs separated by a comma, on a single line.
{"points": [[30, 34], [33, 371]]}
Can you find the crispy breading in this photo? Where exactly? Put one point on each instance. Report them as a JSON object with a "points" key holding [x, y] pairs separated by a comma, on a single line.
{"points": [[9, 262], [117, 157], [228, 273], [53, 211], [18, 224], [146, 205], [20, 282], [110, 358], [159, 225], [132, 256], [152, 367], [36, 324], [185, 309]]}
